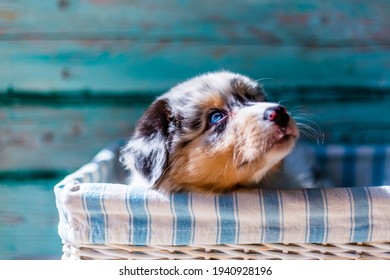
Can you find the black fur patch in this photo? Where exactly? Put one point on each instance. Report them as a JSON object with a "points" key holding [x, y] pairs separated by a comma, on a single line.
{"points": [[149, 147], [238, 97], [196, 122], [155, 120], [145, 163], [246, 92], [259, 96]]}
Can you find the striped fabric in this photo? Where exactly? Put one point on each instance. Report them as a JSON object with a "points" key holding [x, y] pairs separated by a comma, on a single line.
{"points": [[352, 166], [344, 166], [96, 207]]}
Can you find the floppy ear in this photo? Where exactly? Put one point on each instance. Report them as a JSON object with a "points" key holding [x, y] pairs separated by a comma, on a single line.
{"points": [[146, 154]]}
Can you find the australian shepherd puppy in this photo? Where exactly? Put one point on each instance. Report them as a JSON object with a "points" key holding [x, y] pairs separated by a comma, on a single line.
{"points": [[213, 133]]}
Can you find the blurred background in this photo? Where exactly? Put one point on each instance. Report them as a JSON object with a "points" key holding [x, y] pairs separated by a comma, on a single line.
{"points": [[75, 75]]}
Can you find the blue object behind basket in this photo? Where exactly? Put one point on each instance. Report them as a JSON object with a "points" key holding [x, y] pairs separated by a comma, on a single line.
{"points": [[342, 165]]}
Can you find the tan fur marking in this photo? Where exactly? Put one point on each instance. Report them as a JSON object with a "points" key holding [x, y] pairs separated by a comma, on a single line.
{"points": [[212, 101]]}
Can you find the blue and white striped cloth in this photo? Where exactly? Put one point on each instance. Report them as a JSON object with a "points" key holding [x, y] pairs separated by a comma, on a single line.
{"points": [[96, 207]]}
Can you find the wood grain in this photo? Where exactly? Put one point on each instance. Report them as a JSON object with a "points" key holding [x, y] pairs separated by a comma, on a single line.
{"points": [[62, 137], [28, 220], [64, 132], [150, 45]]}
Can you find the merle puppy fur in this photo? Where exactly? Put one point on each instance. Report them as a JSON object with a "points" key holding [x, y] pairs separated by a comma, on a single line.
{"points": [[213, 133]]}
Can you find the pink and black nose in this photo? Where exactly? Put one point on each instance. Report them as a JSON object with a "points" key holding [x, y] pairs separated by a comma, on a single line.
{"points": [[278, 115]]}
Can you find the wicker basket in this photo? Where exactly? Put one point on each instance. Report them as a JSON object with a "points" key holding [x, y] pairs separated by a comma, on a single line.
{"points": [[266, 251], [367, 236]]}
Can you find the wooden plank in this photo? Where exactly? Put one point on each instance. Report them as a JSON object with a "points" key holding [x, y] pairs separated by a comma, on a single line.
{"points": [[59, 134], [352, 122], [282, 22], [60, 137], [28, 220], [151, 45], [52, 66]]}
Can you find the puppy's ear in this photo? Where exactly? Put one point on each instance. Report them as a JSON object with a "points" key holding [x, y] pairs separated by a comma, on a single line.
{"points": [[146, 154]]}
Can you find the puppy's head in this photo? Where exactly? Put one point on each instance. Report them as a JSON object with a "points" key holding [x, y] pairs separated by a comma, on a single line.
{"points": [[212, 133]]}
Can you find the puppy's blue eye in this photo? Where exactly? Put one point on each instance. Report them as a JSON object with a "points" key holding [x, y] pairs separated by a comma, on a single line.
{"points": [[216, 117]]}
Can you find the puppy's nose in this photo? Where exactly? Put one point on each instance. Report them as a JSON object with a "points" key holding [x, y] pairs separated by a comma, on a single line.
{"points": [[278, 115]]}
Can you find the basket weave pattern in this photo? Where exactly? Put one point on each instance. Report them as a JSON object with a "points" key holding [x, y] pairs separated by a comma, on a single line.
{"points": [[265, 251]]}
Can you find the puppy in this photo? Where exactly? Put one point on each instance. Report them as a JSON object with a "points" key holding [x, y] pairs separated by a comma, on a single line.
{"points": [[213, 133]]}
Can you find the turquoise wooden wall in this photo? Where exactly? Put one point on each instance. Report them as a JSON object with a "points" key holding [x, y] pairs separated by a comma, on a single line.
{"points": [[150, 45], [76, 75]]}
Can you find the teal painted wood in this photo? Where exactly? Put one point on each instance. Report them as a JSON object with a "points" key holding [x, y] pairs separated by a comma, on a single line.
{"points": [[63, 133], [80, 52], [48, 66], [267, 22], [360, 118], [62, 136], [28, 220], [150, 45]]}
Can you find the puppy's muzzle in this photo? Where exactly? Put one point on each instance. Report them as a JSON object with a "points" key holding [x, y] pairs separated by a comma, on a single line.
{"points": [[278, 115]]}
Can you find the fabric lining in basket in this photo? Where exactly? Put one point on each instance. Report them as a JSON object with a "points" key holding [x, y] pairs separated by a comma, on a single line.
{"points": [[100, 214]]}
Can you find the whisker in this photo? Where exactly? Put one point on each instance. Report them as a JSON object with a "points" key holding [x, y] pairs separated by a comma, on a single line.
{"points": [[284, 101], [264, 79], [313, 134], [308, 126], [296, 109]]}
